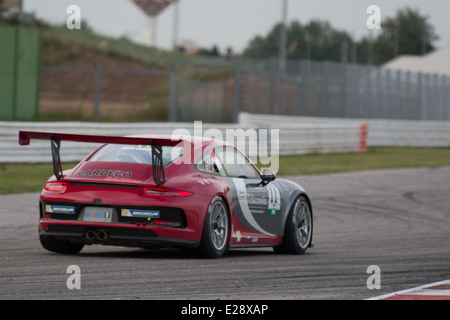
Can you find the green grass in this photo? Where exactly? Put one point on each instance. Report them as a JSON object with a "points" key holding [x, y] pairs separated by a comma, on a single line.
{"points": [[60, 44], [17, 178], [20, 178], [376, 158]]}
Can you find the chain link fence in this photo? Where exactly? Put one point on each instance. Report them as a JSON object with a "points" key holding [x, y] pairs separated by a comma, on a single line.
{"points": [[341, 90], [217, 90], [103, 94]]}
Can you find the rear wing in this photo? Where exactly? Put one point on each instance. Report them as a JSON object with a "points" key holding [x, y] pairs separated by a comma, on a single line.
{"points": [[56, 138]]}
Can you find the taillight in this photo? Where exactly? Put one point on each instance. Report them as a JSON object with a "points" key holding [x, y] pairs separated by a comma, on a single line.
{"points": [[165, 223], [156, 192], [55, 186]]}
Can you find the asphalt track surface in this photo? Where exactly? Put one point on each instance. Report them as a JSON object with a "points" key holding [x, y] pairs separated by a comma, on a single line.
{"points": [[398, 220]]}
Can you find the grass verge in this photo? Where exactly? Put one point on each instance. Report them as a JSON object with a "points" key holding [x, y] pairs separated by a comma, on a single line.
{"points": [[21, 178], [376, 158]]}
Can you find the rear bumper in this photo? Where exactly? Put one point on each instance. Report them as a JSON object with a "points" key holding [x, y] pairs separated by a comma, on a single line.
{"points": [[179, 223], [172, 227], [116, 234]]}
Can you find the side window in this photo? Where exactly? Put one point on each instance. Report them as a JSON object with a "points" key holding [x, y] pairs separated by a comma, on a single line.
{"points": [[227, 158], [206, 163], [236, 164]]}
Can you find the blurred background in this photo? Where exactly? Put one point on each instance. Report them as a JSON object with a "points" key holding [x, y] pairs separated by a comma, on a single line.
{"points": [[210, 60]]}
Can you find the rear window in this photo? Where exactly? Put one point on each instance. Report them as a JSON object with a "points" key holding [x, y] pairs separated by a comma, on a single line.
{"points": [[134, 154]]}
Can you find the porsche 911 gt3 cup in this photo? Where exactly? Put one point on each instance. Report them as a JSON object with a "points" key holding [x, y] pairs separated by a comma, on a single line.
{"points": [[152, 191]]}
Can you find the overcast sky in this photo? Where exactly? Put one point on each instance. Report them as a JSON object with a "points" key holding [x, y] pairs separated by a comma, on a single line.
{"points": [[233, 23]]}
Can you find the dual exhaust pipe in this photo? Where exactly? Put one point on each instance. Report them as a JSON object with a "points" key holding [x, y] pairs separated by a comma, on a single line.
{"points": [[99, 235]]}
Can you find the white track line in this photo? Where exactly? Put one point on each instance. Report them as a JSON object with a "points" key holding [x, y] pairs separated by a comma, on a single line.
{"points": [[422, 290]]}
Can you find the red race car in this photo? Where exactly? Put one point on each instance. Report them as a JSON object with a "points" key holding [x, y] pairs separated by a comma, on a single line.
{"points": [[153, 191]]}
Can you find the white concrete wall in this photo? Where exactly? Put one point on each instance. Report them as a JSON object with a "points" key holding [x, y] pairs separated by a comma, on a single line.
{"points": [[296, 135], [293, 137], [380, 132]]}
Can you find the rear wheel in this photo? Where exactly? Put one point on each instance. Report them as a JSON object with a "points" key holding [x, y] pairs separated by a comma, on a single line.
{"points": [[299, 227], [216, 229], [60, 246]]}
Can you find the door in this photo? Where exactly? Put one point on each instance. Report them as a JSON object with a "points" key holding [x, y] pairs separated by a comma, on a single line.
{"points": [[256, 205]]}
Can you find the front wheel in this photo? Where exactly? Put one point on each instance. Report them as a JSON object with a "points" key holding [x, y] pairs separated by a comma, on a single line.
{"points": [[216, 229], [299, 227]]}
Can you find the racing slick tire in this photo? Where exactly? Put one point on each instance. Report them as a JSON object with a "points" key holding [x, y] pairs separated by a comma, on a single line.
{"points": [[60, 246], [298, 231], [216, 230]]}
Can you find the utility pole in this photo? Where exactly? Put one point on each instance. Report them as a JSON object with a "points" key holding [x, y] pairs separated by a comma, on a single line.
{"points": [[151, 29], [371, 45], [282, 62], [396, 40], [354, 48], [176, 20]]}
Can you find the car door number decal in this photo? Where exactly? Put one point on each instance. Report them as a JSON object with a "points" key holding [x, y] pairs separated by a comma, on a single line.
{"points": [[274, 203]]}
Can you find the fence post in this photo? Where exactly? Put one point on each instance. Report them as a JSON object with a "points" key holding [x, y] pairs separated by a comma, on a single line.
{"points": [[419, 96], [445, 99], [15, 74], [273, 67], [388, 94], [435, 95], [441, 91], [173, 95], [425, 98], [406, 104], [237, 89], [398, 91], [97, 91]]}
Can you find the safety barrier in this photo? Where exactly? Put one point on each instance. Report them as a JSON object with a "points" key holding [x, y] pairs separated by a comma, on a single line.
{"points": [[408, 133], [284, 137], [295, 135]]}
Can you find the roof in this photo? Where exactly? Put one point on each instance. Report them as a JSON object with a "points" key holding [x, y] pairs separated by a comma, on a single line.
{"points": [[436, 62]]}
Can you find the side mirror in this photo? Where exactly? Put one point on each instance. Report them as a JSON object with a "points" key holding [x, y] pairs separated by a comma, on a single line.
{"points": [[268, 175]]}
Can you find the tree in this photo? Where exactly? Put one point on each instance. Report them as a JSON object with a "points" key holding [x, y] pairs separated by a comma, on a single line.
{"points": [[264, 47], [325, 42], [317, 40], [408, 32]]}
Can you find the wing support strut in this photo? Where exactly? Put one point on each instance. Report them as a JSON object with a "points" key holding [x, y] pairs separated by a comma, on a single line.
{"points": [[57, 168], [157, 164]]}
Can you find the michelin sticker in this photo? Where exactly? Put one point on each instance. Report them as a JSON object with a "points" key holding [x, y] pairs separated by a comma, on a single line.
{"points": [[140, 213], [60, 209]]}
